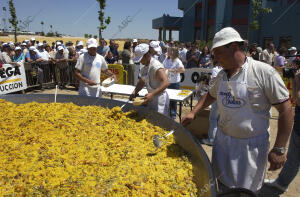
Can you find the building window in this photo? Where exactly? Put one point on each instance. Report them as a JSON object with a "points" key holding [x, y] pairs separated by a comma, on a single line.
{"points": [[242, 29], [267, 40], [210, 32], [197, 34], [285, 41]]}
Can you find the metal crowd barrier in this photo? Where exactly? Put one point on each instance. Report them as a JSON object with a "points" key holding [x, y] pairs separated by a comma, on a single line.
{"points": [[47, 74]]}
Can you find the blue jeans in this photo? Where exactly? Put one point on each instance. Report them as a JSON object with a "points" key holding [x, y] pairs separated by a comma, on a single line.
{"points": [[292, 165], [173, 104], [213, 121]]}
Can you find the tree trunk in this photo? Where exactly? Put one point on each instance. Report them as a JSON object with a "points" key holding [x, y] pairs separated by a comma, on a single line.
{"points": [[15, 32], [100, 34]]}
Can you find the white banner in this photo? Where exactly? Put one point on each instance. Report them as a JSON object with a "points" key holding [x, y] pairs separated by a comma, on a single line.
{"points": [[12, 79], [190, 76]]}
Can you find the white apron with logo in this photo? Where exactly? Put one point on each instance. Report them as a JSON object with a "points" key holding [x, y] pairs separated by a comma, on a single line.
{"points": [[86, 90], [159, 103], [241, 146]]}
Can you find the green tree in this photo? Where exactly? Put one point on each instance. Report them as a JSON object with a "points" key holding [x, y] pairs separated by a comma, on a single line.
{"points": [[257, 11], [95, 36], [90, 36], [13, 18], [86, 35], [103, 21], [51, 26], [42, 23]]}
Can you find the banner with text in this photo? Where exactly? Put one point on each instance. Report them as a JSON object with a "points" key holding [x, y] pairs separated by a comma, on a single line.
{"points": [[190, 77], [12, 79]]}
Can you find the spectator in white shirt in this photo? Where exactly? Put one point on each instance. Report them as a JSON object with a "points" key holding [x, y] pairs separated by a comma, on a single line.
{"points": [[174, 67], [268, 54]]}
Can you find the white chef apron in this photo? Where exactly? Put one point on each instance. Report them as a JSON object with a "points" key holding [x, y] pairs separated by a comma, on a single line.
{"points": [[86, 90], [160, 103], [241, 146]]}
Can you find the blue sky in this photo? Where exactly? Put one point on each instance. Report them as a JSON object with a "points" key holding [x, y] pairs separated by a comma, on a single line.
{"points": [[77, 17]]}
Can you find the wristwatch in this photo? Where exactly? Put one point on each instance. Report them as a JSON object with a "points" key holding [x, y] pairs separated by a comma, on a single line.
{"points": [[280, 150]]}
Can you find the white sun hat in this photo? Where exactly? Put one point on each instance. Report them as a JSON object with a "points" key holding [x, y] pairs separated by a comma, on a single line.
{"points": [[32, 39], [139, 51], [60, 48], [225, 36], [80, 43], [155, 46], [293, 49], [92, 42], [18, 48], [32, 48], [134, 40]]}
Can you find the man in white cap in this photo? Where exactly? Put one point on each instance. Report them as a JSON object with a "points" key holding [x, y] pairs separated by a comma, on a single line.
{"points": [[154, 76], [293, 53], [245, 90], [155, 49], [61, 67], [32, 41], [88, 70]]}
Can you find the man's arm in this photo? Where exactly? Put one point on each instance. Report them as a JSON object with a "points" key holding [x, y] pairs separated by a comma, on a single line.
{"points": [[285, 123], [205, 101], [161, 76], [80, 77], [138, 87]]}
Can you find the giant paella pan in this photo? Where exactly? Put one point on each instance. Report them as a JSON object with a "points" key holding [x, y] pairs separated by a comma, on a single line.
{"points": [[76, 148]]}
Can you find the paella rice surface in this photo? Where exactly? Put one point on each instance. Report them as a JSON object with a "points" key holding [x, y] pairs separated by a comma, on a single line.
{"points": [[66, 150]]}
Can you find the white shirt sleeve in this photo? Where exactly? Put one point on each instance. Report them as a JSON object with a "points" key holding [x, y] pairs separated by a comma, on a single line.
{"points": [[79, 63], [104, 64], [179, 64]]}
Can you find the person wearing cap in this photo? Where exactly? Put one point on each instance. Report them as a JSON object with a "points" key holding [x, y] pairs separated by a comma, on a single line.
{"points": [[5, 55], [79, 48], [155, 49], [32, 55], [293, 53], [154, 76], [134, 43], [61, 67], [18, 58], [244, 90], [32, 41], [88, 70]]}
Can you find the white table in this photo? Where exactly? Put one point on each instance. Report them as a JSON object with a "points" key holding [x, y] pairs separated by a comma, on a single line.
{"points": [[126, 90]]}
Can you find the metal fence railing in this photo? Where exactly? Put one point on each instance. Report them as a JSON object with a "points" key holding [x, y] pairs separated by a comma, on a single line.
{"points": [[48, 74]]}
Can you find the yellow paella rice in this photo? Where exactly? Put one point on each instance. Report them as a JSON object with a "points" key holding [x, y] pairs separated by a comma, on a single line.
{"points": [[67, 150]]}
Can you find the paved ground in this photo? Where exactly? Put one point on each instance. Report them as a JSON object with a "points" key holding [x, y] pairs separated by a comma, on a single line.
{"points": [[294, 189]]}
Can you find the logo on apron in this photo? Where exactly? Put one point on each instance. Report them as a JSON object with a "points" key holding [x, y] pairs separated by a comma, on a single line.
{"points": [[230, 101], [98, 64]]}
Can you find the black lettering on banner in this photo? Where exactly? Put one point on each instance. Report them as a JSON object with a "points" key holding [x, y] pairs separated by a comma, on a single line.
{"points": [[6, 87], [2, 74], [17, 71], [11, 86], [182, 77], [20, 85], [9, 73], [195, 77]]}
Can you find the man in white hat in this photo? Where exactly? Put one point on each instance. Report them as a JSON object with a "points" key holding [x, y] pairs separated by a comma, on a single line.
{"points": [[32, 41], [245, 90], [155, 49], [153, 75], [88, 70]]}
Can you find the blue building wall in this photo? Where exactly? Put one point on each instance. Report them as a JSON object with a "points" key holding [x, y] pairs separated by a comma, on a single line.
{"points": [[187, 29], [282, 22]]}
